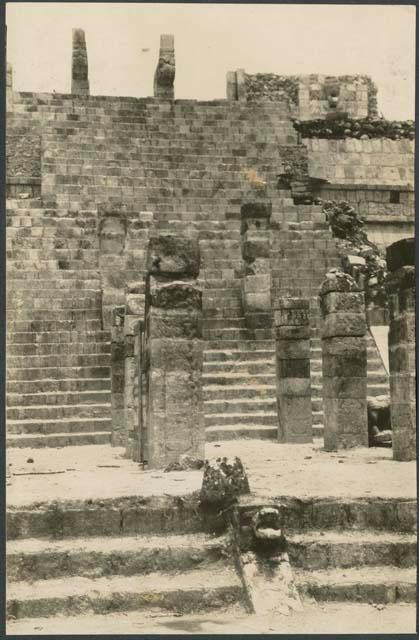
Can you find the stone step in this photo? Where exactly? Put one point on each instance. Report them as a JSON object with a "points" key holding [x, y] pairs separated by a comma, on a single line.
{"points": [[240, 405], [57, 412], [239, 419], [240, 345], [238, 381], [163, 515], [73, 316], [58, 373], [58, 398], [252, 367], [54, 440], [183, 592], [234, 391], [72, 424], [47, 325], [217, 433], [313, 550], [21, 387], [50, 361], [58, 348], [222, 324], [242, 355], [329, 514], [98, 557], [369, 584], [57, 337]]}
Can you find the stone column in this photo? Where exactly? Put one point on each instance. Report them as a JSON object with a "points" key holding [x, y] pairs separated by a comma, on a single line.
{"points": [[117, 376], [174, 351], [292, 334], [164, 76], [241, 85], [401, 288], [255, 245], [79, 69], [134, 315], [344, 355], [231, 85], [9, 88]]}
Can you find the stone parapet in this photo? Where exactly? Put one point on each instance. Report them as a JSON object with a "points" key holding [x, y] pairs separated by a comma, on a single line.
{"points": [[344, 362]]}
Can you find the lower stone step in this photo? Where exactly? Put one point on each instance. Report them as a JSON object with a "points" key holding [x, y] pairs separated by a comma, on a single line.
{"points": [[102, 556], [236, 432], [313, 550], [58, 440], [364, 584], [242, 419], [184, 592], [73, 424]]}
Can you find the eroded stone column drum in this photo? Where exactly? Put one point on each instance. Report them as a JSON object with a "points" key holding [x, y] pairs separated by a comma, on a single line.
{"points": [[175, 417], [344, 362], [401, 343], [292, 333]]}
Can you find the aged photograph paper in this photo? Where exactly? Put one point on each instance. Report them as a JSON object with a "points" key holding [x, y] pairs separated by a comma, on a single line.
{"points": [[210, 363]]}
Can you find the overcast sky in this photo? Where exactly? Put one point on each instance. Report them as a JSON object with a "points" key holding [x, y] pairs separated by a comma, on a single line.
{"points": [[211, 39]]}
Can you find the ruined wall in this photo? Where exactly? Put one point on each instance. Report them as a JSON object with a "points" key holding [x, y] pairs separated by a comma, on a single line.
{"points": [[310, 96]]}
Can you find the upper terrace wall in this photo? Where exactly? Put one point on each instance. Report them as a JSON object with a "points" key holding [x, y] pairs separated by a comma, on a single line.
{"points": [[309, 96]]}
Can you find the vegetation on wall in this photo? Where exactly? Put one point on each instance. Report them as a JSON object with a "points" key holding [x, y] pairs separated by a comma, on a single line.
{"points": [[269, 86], [348, 228], [340, 128]]}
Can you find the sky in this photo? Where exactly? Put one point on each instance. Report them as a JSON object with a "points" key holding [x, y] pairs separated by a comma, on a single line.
{"points": [[211, 39]]}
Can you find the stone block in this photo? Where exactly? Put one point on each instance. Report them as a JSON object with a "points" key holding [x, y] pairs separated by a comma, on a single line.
{"points": [[134, 304], [175, 418], [345, 423], [344, 324], [294, 386], [336, 301], [291, 317], [344, 387], [337, 280], [174, 323], [292, 332], [175, 295], [173, 256], [292, 349], [294, 368]]}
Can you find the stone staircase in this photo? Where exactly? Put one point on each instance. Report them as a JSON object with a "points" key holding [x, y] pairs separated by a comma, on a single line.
{"points": [[240, 390], [69, 561], [58, 356], [153, 559]]}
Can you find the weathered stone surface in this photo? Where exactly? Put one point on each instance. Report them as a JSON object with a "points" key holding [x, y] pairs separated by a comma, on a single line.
{"points": [[164, 76], [112, 234], [292, 327], [175, 419], [173, 256], [174, 294], [79, 70], [402, 352], [344, 324], [337, 280], [344, 363]]}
